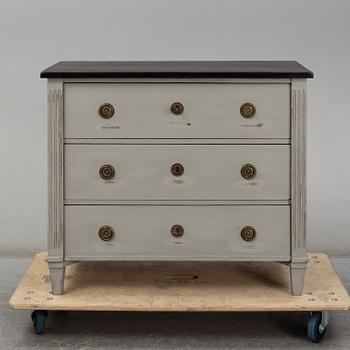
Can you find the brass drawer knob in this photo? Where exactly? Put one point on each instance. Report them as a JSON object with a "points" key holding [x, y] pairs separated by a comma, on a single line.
{"points": [[177, 108], [248, 171], [248, 233], [107, 172], [177, 231], [177, 169], [106, 233], [248, 110], [106, 111]]}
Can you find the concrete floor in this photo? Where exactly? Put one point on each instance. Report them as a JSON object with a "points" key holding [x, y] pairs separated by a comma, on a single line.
{"points": [[107, 330]]}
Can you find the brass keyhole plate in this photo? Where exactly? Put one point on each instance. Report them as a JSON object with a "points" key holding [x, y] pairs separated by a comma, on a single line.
{"points": [[177, 169], [177, 108], [177, 231]]}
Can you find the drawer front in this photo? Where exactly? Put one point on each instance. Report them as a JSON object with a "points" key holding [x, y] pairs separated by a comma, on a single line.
{"points": [[177, 172], [145, 110], [145, 232]]}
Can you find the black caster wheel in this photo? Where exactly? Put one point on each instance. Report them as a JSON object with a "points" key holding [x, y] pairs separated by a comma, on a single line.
{"points": [[39, 317], [317, 326]]}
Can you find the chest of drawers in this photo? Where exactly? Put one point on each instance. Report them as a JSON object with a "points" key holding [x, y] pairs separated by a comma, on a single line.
{"points": [[177, 161]]}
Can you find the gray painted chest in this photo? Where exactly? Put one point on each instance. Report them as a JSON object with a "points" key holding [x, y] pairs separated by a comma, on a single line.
{"points": [[177, 161]]}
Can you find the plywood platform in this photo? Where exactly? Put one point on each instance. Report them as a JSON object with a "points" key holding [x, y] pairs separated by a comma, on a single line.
{"points": [[182, 286]]}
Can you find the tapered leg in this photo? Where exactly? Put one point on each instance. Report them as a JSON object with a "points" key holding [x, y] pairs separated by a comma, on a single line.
{"points": [[297, 272], [57, 278]]}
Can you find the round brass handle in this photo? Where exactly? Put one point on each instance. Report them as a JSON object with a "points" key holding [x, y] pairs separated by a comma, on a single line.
{"points": [[177, 169], [248, 110], [248, 233], [106, 233], [177, 231], [107, 172], [248, 171], [106, 111], [177, 108]]}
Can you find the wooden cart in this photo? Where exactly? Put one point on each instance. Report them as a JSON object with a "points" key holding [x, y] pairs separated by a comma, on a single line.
{"points": [[184, 286]]}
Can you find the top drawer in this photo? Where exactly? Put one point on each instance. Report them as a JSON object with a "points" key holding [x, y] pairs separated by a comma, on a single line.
{"points": [[177, 110]]}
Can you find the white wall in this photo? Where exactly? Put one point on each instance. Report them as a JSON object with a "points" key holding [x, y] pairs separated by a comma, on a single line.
{"points": [[36, 33]]}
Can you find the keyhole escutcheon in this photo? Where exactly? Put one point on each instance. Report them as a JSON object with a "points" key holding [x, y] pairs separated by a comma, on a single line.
{"points": [[177, 169], [177, 231]]}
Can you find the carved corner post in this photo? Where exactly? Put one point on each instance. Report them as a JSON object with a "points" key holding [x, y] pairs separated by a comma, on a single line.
{"points": [[55, 186], [298, 185]]}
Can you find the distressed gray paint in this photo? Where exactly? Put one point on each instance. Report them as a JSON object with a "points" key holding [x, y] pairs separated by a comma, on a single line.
{"points": [[210, 233], [211, 172], [211, 110], [275, 180]]}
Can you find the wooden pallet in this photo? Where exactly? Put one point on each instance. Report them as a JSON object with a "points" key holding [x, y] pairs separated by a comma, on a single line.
{"points": [[182, 286]]}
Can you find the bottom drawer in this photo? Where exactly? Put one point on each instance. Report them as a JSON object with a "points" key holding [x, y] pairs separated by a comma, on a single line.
{"points": [[175, 232]]}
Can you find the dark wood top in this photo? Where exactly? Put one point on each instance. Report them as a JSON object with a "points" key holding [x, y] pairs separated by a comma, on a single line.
{"points": [[177, 69]]}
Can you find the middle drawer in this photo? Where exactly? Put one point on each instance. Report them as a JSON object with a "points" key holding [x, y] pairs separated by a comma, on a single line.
{"points": [[177, 172]]}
